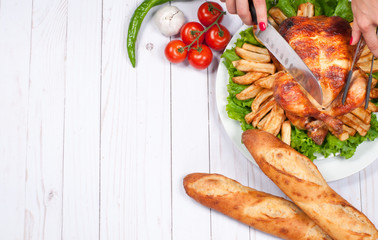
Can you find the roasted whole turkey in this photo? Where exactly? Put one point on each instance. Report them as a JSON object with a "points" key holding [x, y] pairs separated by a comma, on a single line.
{"points": [[323, 44]]}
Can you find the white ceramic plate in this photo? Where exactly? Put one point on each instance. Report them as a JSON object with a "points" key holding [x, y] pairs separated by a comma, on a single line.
{"points": [[332, 168]]}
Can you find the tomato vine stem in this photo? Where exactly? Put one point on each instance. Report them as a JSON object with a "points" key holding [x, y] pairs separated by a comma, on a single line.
{"points": [[216, 22]]}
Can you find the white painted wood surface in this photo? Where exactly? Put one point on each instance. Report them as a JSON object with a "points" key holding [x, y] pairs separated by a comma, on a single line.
{"points": [[91, 148]]}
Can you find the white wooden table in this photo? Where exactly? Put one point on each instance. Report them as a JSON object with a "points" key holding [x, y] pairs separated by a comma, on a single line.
{"points": [[92, 148]]}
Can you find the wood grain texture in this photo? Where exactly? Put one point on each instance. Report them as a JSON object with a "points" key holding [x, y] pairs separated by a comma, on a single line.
{"points": [[190, 142], [44, 159], [230, 162], [369, 192], [91, 148], [349, 188], [136, 104], [15, 33], [223, 158], [153, 138], [118, 132], [82, 120]]}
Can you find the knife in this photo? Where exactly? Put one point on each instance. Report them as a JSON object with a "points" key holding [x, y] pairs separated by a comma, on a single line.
{"points": [[286, 55]]}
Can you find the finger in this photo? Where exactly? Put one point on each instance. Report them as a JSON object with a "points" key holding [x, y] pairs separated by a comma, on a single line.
{"points": [[242, 8], [231, 6], [260, 6], [371, 40], [356, 33]]}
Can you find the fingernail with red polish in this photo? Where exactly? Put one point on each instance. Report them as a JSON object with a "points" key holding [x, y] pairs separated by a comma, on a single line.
{"points": [[351, 40], [262, 26]]}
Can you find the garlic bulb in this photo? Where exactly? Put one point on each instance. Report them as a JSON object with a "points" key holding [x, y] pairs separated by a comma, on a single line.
{"points": [[169, 20]]}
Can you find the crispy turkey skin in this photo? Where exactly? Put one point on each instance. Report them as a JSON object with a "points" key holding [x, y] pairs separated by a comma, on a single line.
{"points": [[323, 44]]}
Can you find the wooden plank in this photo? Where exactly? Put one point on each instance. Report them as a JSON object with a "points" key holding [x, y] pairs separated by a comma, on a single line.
{"points": [[118, 215], [15, 33], [349, 188], [43, 199], [224, 159], [153, 134], [135, 149], [369, 193], [228, 161], [82, 121], [190, 141]]}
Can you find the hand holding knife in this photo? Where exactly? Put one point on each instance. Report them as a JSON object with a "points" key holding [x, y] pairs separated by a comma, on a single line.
{"points": [[286, 55]]}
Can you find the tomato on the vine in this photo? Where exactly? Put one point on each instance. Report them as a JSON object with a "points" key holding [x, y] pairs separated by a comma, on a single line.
{"points": [[217, 37], [175, 51], [190, 31], [200, 57], [208, 13]]}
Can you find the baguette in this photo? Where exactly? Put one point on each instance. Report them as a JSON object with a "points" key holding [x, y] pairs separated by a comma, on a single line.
{"points": [[265, 212], [302, 182]]}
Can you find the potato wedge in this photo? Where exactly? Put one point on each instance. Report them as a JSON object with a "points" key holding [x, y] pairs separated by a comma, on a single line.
{"points": [[352, 121], [249, 78], [372, 107], [273, 124], [365, 51], [267, 82], [306, 10], [262, 112], [252, 56], [373, 93], [349, 130], [249, 92], [286, 132], [344, 135], [374, 83], [277, 15], [272, 22], [255, 49], [249, 66], [362, 114], [261, 98], [262, 122], [267, 106], [367, 58], [365, 66]]}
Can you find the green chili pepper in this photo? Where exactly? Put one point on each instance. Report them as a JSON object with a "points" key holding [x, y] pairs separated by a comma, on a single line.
{"points": [[135, 23]]}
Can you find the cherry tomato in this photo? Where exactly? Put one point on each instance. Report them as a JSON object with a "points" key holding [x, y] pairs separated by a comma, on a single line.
{"points": [[217, 38], [190, 31], [201, 57], [173, 53], [208, 12]]}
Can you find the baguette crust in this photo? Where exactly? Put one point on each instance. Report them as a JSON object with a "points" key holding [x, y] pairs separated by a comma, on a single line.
{"points": [[299, 178], [265, 212]]}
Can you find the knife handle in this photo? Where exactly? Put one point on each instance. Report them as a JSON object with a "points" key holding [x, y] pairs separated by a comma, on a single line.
{"points": [[253, 12]]}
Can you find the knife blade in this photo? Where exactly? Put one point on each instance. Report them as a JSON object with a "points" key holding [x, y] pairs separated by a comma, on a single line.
{"points": [[289, 59]]}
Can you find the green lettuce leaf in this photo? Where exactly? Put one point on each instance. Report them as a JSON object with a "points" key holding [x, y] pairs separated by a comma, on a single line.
{"points": [[328, 6], [344, 10], [270, 4], [341, 8], [247, 36], [287, 8], [375, 101], [237, 109]]}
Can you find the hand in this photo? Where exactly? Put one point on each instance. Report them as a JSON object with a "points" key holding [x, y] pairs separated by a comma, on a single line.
{"points": [[365, 23], [241, 7]]}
